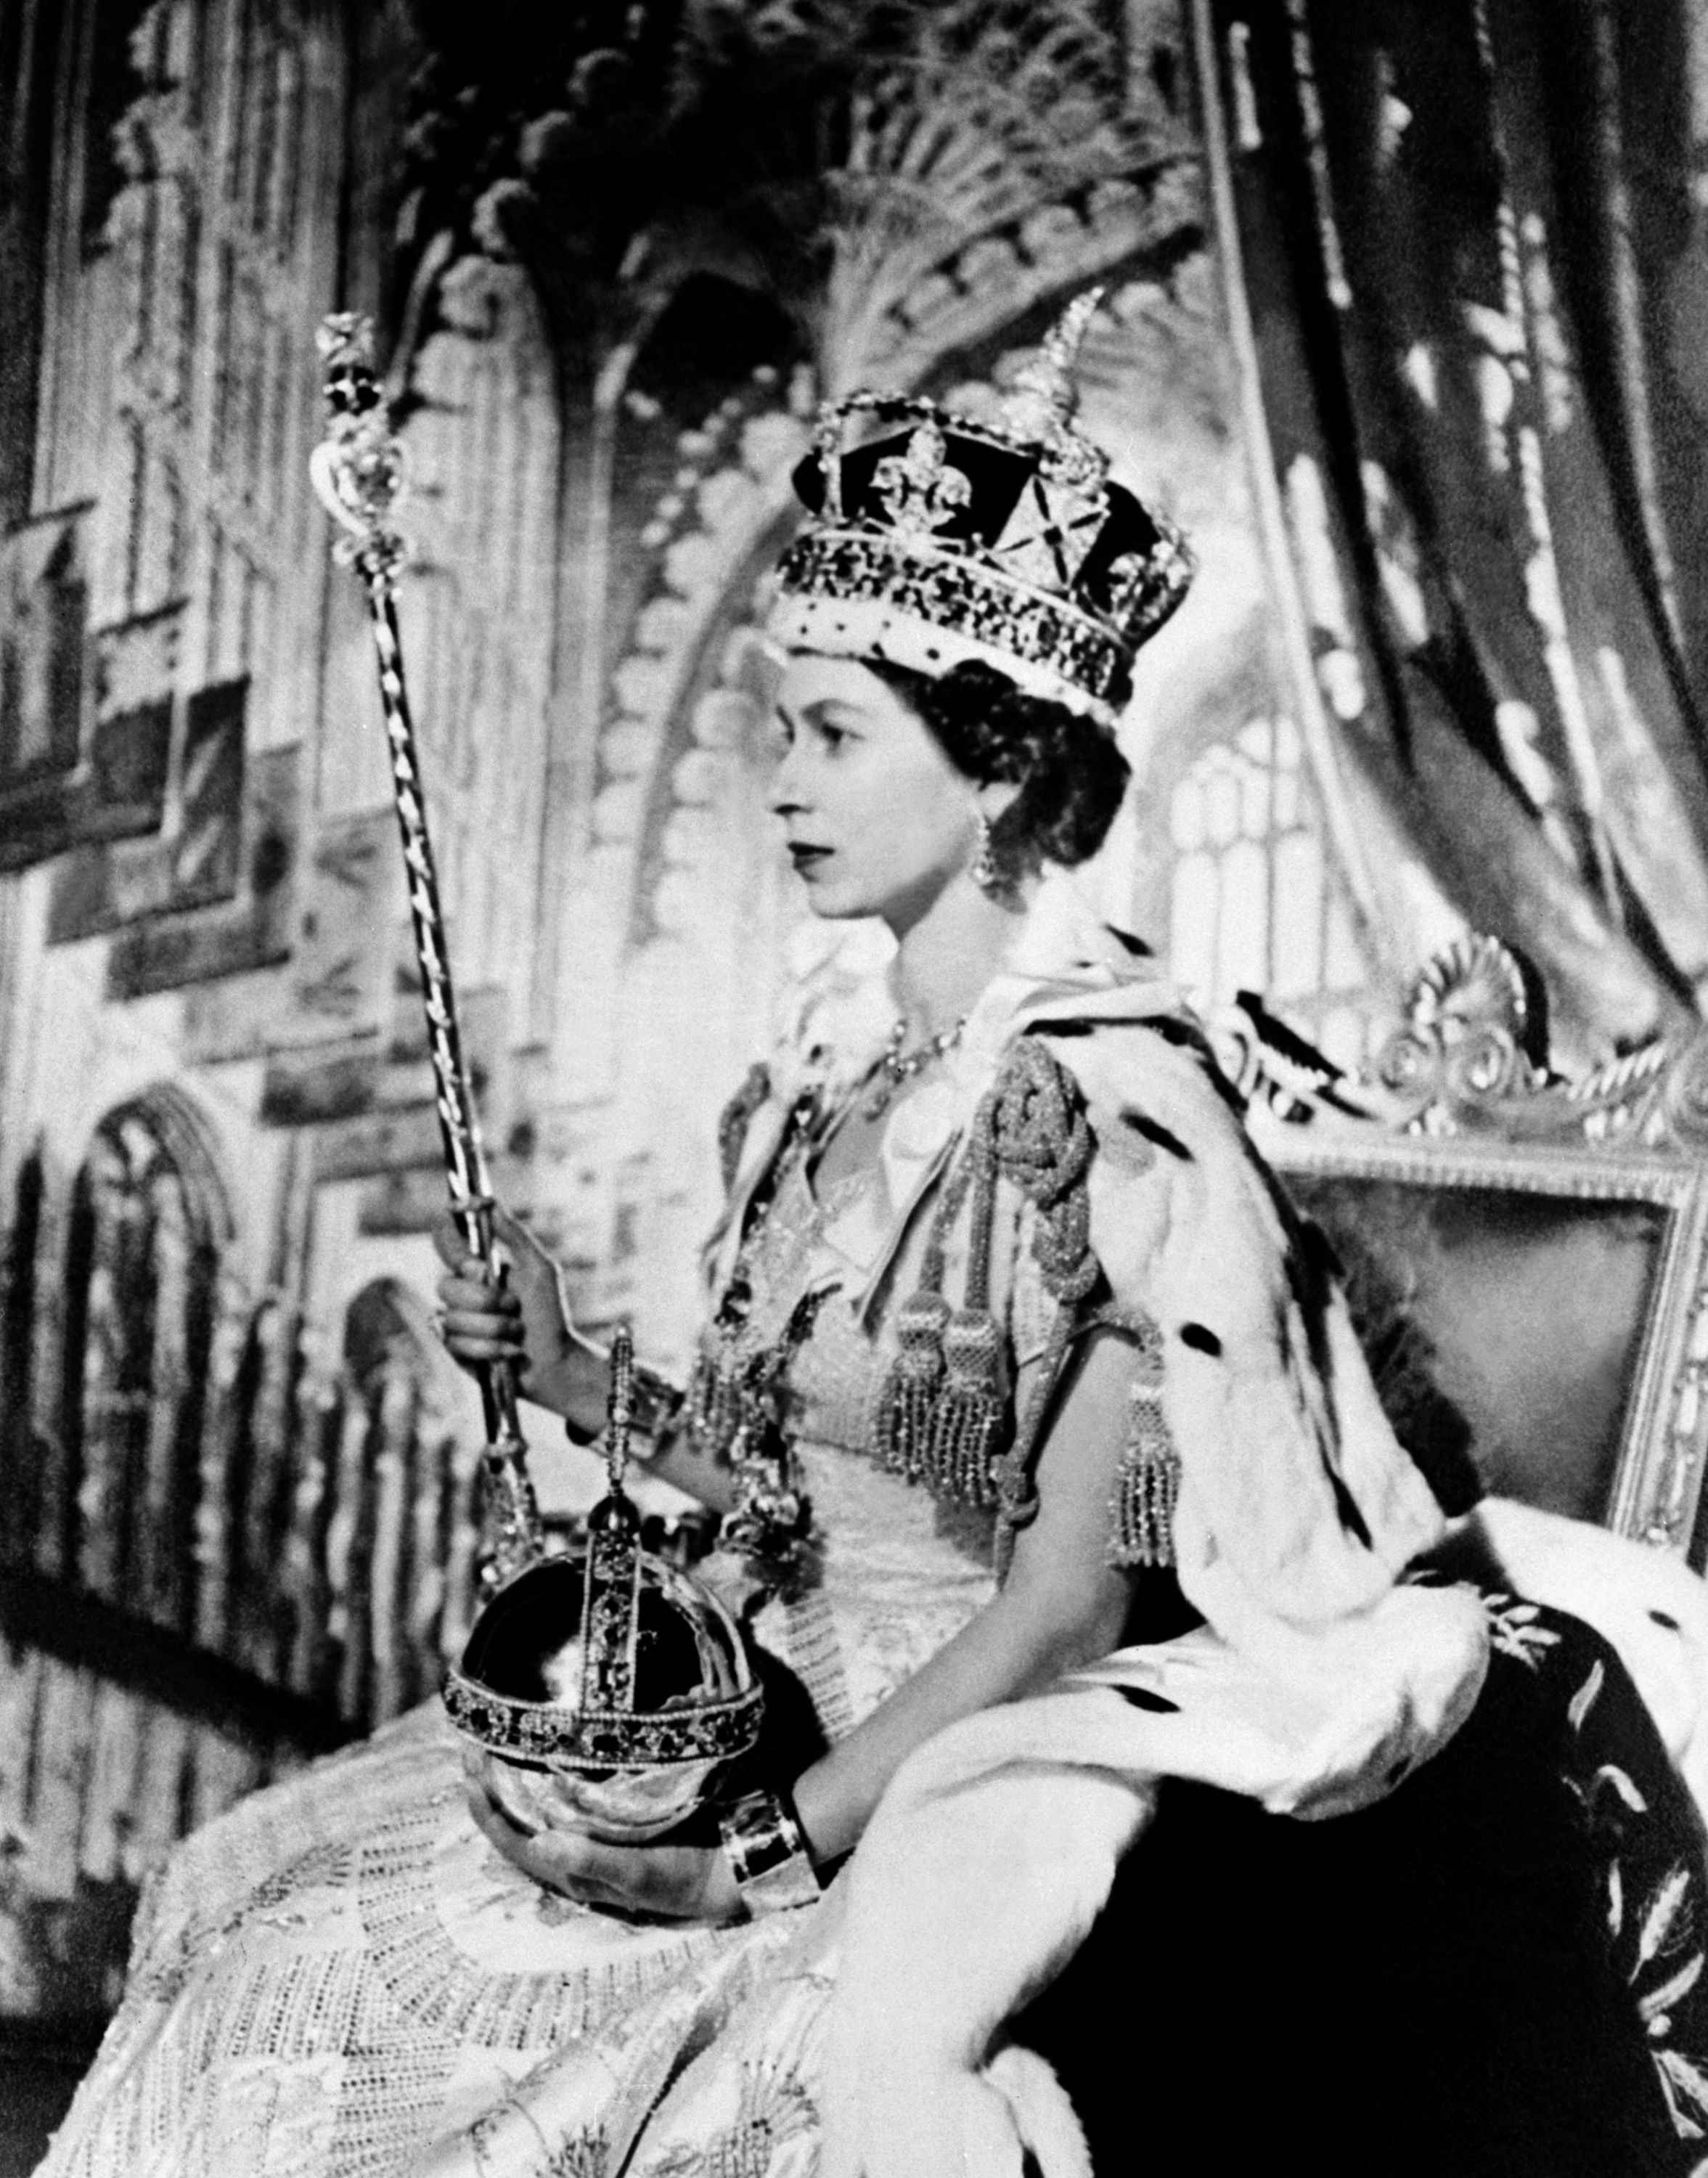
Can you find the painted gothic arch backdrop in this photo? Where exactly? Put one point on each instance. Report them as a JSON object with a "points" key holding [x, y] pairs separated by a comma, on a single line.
{"points": [[951, 189], [622, 252]]}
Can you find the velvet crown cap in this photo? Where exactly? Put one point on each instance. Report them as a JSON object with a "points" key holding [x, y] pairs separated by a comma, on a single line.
{"points": [[952, 540]]}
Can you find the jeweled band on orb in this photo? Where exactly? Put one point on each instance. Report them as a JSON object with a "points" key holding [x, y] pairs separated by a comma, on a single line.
{"points": [[558, 1736], [768, 1854]]}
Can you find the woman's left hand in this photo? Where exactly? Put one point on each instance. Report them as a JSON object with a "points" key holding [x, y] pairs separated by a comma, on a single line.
{"points": [[667, 1882]]}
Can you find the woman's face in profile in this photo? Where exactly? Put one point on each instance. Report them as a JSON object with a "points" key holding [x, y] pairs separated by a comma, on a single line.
{"points": [[877, 819]]}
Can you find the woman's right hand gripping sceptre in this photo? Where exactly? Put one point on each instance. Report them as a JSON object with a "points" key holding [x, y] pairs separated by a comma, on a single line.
{"points": [[523, 1321]]}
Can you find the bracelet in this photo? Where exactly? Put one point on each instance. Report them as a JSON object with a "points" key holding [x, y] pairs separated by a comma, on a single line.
{"points": [[655, 1404], [768, 1854], [654, 1401]]}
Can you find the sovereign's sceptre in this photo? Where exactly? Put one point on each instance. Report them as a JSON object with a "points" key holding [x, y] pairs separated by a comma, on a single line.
{"points": [[358, 474], [601, 1690]]}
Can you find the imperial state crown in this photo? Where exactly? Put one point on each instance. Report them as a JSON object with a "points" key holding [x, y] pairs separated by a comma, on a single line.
{"points": [[953, 539]]}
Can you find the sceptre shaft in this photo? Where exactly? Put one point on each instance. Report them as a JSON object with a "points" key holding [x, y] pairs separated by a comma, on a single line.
{"points": [[357, 474]]}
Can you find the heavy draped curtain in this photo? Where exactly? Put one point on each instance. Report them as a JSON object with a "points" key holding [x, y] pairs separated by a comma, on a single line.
{"points": [[1467, 263]]}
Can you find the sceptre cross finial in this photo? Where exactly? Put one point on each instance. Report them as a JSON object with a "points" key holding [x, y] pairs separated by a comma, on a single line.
{"points": [[357, 469]]}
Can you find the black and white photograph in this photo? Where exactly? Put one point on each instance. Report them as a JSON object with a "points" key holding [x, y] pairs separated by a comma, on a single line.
{"points": [[853, 1088]]}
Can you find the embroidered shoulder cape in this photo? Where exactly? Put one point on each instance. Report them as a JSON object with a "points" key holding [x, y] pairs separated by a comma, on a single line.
{"points": [[1297, 1508]]}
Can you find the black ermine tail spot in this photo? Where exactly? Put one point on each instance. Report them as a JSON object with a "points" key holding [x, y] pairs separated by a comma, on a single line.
{"points": [[1195, 1335], [1153, 1130], [1665, 1618], [1142, 1698]]}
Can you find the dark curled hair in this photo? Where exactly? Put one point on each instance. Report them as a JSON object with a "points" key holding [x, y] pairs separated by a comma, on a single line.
{"points": [[1070, 774]]}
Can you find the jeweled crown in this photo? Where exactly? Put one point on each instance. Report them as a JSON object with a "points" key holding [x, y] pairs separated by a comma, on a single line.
{"points": [[954, 538]]}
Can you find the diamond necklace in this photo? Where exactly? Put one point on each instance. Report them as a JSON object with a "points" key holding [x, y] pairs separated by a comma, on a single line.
{"points": [[897, 1066]]}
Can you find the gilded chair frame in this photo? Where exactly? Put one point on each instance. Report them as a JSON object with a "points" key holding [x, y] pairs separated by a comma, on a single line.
{"points": [[1455, 1100]]}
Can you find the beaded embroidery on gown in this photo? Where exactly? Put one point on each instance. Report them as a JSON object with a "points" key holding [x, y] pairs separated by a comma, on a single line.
{"points": [[343, 1976]]}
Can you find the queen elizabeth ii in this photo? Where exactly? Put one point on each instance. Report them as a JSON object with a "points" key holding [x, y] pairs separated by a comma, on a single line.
{"points": [[1069, 1478]]}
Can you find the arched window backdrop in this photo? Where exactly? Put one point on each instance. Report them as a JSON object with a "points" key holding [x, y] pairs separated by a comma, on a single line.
{"points": [[1254, 903], [149, 1221]]}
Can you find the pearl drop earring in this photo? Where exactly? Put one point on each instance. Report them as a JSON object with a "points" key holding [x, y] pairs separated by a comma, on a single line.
{"points": [[984, 871]]}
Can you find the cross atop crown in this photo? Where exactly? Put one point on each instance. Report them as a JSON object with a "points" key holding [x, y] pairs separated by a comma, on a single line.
{"points": [[917, 488]]}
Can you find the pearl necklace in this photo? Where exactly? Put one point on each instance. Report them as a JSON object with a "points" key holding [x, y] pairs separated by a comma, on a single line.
{"points": [[897, 1067]]}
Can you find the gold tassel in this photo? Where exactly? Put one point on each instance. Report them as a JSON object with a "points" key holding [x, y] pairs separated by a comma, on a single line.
{"points": [[905, 1422], [1150, 1487], [1149, 1484], [907, 1405], [713, 1409], [967, 1425]]}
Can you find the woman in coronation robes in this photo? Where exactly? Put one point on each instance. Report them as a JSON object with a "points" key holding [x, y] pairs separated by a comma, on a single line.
{"points": [[1144, 1789]]}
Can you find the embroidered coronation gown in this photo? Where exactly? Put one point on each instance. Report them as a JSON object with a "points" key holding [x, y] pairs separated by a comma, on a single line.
{"points": [[341, 1976]]}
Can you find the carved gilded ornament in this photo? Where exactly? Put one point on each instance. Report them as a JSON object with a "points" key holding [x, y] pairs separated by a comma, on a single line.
{"points": [[1460, 1096]]}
